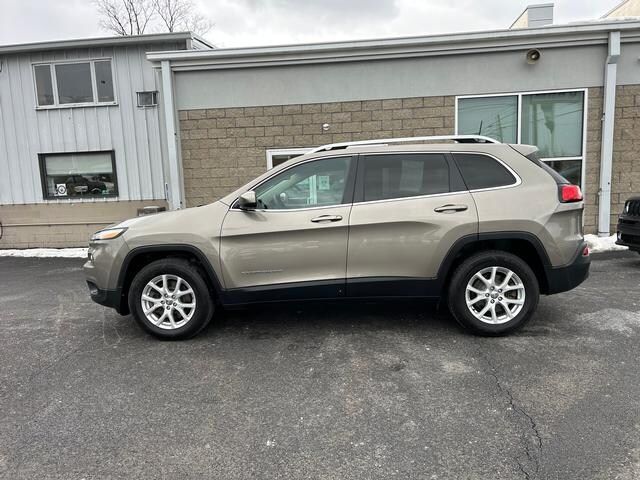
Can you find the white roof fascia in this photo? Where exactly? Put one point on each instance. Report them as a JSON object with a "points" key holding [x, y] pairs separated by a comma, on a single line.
{"points": [[498, 40], [102, 42]]}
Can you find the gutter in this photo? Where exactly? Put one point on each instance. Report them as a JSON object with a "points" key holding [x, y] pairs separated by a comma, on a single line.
{"points": [[608, 123]]}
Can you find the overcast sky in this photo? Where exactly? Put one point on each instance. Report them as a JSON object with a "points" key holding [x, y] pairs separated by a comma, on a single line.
{"points": [[262, 22]]}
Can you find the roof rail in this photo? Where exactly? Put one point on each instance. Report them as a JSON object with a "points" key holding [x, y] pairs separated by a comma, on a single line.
{"points": [[382, 141]]}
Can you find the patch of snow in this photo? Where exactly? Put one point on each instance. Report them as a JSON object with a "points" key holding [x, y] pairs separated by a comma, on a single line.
{"points": [[45, 253], [602, 244], [613, 320]]}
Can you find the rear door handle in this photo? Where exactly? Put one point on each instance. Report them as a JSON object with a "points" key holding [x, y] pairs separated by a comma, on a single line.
{"points": [[327, 218], [450, 208]]}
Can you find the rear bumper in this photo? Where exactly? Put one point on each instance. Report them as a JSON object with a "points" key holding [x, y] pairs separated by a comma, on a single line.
{"points": [[629, 232], [568, 277]]}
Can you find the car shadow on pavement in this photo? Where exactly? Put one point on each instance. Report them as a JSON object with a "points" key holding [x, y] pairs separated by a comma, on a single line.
{"points": [[275, 320]]}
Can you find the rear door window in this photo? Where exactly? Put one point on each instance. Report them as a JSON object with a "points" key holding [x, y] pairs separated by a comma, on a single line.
{"points": [[404, 175], [482, 171]]}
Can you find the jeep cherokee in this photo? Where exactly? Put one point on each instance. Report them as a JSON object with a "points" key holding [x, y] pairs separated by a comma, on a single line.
{"points": [[485, 226]]}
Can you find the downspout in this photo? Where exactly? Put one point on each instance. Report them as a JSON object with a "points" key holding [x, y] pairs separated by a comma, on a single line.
{"points": [[608, 121], [174, 183]]}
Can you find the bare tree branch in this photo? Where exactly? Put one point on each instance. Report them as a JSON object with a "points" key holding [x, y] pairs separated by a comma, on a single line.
{"points": [[181, 15], [135, 17], [125, 17]]}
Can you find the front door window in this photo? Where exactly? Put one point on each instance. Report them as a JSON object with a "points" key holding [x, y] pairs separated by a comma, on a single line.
{"points": [[319, 183]]}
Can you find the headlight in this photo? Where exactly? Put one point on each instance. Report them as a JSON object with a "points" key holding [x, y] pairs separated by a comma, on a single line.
{"points": [[108, 234], [626, 207]]}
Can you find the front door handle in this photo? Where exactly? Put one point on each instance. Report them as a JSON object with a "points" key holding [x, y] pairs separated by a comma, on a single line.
{"points": [[327, 218], [450, 208]]}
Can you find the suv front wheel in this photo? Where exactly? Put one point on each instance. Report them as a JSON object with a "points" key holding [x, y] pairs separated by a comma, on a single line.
{"points": [[493, 293], [170, 299]]}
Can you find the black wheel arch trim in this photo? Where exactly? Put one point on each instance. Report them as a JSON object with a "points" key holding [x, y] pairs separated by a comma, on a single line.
{"points": [[444, 272], [169, 248], [462, 242]]}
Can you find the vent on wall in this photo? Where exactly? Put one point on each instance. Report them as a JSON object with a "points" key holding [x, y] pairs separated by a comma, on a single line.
{"points": [[147, 99]]}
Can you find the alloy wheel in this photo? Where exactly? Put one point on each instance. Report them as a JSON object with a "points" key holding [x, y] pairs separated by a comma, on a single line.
{"points": [[495, 295], [168, 301]]}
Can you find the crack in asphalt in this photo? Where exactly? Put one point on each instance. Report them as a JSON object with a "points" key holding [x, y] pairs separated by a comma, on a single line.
{"points": [[533, 455]]}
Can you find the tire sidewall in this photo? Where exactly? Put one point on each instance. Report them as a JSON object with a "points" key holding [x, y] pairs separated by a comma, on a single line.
{"points": [[457, 298], [190, 273]]}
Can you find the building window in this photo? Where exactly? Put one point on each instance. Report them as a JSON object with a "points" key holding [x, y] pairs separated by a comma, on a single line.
{"points": [[553, 121], [78, 175], [495, 117], [276, 157], [74, 83], [147, 99]]}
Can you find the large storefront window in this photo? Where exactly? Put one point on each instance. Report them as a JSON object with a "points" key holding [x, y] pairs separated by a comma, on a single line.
{"points": [[78, 175], [495, 117], [553, 121]]}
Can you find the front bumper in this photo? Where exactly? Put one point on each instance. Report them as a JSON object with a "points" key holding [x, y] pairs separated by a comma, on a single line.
{"points": [[102, 270], [107, 298], [568, 277], [629, 232]]}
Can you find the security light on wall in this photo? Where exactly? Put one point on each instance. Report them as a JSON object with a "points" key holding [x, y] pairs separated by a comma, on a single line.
{"points": [[533, 56]]}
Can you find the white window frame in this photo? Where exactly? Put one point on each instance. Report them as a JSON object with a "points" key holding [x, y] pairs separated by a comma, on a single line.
{"points": [[519, 95], [285, 151], [54, 84]]}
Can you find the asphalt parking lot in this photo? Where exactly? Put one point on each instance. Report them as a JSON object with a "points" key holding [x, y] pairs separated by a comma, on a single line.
{"points": [[329, 392]]}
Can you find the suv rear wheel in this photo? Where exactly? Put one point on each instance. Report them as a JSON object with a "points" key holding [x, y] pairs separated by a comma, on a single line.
{"points": [[170, 299], [493, 293]]}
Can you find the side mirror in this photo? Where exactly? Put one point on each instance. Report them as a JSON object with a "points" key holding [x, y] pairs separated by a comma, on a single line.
{"points": [[247, 201]]}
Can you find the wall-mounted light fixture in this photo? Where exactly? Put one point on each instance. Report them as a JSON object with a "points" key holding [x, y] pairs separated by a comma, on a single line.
{"points": [[533, 56]]}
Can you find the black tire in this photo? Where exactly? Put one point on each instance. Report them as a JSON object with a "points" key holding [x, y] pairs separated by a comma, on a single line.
{"points": [[204, 304], [474, 264]]}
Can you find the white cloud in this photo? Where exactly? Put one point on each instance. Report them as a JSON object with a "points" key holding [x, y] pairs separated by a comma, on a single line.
{"points": [[269, 22]]}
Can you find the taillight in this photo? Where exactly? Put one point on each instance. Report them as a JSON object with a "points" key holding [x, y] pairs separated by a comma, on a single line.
{"points": [[570, 193]]}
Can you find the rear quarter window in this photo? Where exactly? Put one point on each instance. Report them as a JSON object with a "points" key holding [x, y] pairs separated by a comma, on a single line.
{"points": [[481, 171], [535, 158]]}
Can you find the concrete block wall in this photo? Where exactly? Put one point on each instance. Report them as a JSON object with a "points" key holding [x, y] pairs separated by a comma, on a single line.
{"points": [[625, 177], [625, 181], [64, 224]]}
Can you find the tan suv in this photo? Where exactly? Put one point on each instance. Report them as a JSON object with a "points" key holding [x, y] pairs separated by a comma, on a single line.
{"points": [[483, 225]]}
